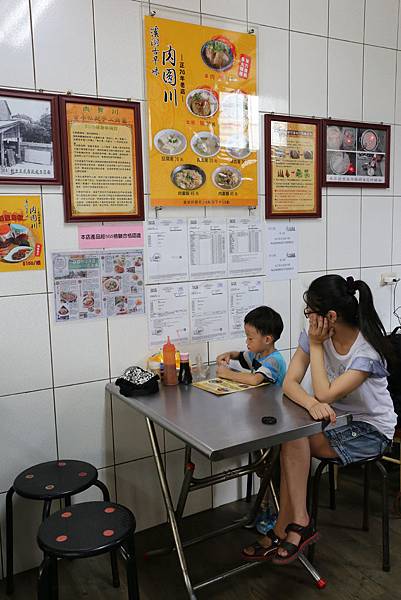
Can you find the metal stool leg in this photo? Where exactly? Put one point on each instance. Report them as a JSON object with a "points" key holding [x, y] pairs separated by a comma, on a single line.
{"points": [[130, 563], [114, 569], [315, 502], [10, 541], [103, 488], [46, 509], [45, 580], [385, 516], [332, 484], [249, 481], [366, 489]]}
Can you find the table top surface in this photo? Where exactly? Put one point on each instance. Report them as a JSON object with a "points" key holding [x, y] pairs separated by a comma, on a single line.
{"points": [[224, 426]]}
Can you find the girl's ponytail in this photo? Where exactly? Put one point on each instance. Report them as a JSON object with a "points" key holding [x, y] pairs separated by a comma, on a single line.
{"points": [[369, 321]]}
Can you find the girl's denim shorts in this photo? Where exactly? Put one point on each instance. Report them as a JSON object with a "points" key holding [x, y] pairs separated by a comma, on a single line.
{"points": [[357, 441]]}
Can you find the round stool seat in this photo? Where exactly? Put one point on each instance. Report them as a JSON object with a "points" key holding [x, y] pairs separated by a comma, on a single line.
{"points": [[55, 479], [86, 529]]}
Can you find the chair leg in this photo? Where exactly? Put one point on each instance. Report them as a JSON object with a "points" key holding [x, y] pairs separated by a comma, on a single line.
{"points": [[130, 563], [249, 481], [10, 541], [315, 502], [332, 485], [45, 579], [103, 488], [46, 509], [114, 569], [385, 516], [366, 489]]}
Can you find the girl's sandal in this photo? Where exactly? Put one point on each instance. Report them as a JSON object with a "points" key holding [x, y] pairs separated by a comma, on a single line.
{"points": [[308, 536], [261, 552]]}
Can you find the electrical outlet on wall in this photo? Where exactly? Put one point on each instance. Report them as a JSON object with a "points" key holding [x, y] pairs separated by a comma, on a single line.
{"points": [[389, 278]]}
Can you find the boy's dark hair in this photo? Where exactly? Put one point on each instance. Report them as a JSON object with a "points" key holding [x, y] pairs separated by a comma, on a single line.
{"points": [[266, 321]]}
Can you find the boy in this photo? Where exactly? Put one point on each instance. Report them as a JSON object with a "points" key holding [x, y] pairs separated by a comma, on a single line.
{"points": [[263, 327]]}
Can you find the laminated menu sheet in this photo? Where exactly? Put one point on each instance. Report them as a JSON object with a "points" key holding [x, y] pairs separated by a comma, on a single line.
{"points": [[168, 313], [167, 250], [97, 284], [245, 247], [220, 386], [244, 295], [208, 301], [207, 248]]}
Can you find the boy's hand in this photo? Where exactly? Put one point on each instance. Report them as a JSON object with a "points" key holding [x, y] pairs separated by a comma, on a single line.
{"points": [[223, 360], [223, 371], [321, 411], [319, 329]]}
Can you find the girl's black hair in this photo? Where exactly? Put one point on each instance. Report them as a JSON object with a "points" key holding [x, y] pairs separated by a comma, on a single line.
{"points": [[333, 292]]}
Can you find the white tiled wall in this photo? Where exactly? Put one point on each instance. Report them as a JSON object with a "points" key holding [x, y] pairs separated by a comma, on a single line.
{"points": [[337, 58]]}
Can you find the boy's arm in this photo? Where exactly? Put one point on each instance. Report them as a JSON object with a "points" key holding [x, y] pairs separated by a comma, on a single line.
{"points": [[248, 378]]}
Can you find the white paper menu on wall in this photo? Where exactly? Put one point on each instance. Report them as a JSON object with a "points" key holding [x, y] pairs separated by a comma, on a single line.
{"points": [[245, 247], [167, 250], [244, 295], [281, 250], [168, 313], [209, 319], [207, 248]]}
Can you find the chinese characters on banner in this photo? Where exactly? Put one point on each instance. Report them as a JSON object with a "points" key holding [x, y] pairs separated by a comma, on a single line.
{"points": [[203, 113], [21, 234]]}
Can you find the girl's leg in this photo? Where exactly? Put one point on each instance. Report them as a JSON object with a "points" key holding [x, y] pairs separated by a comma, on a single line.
{"points": [[295, 462]]}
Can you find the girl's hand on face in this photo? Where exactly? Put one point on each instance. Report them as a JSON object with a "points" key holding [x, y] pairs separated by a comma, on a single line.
{"points": [[319, 329], [321, 411]]}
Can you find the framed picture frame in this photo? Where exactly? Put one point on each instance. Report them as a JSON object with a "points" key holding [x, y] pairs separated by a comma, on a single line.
{"points": [[102, 159], [356, 154], [293, 159], [29, 138]]}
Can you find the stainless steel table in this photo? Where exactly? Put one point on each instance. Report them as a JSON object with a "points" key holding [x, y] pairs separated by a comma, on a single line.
{"points": [[220, 427]]}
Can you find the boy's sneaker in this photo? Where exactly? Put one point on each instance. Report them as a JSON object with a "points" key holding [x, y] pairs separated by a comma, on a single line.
{"points": [[265, 521]]}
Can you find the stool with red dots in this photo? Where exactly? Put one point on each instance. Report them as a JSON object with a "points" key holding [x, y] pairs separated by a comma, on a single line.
{"points": [[87, 529], [53, 480]]}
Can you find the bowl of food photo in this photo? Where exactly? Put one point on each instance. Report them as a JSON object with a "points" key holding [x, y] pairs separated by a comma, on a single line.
{"points": [[188, 177], [202, 102], [218, 53], [170, 142], [227, 178], [18, 254], [205, 144]]}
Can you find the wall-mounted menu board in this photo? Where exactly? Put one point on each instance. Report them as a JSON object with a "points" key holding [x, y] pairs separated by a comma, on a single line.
{"points": [[203, 115], [356, 154], [102, 159], [293, 181]]}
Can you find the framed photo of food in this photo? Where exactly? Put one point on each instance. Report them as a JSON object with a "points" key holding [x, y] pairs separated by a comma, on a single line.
{"points": [[293, 181], [29, 138], [203, 115], [356, 154], [102, 159]]}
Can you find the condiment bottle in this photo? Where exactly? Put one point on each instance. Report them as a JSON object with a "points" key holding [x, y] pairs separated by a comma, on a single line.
{"points": [[169, 371], [184, 375]]}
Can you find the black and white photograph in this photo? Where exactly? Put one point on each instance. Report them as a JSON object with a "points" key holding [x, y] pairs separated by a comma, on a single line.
{"points": [[29, 143]]}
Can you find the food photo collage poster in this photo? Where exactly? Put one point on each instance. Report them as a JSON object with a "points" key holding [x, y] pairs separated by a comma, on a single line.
{"points": [[201, 83]]}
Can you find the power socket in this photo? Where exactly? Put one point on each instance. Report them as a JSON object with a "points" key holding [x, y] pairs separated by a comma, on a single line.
{"points": [[389, 279]]}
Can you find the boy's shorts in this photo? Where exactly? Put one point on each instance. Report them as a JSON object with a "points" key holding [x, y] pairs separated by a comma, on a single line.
{"points": [[357, 441]]}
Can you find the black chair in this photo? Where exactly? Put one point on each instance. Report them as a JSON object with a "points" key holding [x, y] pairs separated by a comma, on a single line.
{"points": [[87, 529], [53, 480], [366, 464]]}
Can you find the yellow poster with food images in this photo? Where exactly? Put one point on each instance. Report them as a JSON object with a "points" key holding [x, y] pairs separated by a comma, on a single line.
{"points": [[21, 234], [203, 115]]}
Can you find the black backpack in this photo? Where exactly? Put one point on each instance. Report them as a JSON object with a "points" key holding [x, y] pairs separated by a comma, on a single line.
{"points": [[394, 368]]}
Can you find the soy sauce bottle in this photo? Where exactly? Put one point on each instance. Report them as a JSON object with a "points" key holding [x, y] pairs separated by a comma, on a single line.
{"points": [[184, 376]]}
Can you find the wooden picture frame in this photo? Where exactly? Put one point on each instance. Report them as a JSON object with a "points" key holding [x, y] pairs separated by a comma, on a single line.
{"points": [[102, 159], [293, 158], [29, 138], [356, 154]]}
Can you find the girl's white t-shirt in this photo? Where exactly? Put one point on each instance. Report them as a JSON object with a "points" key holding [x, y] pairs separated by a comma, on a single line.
{"points": [[371, 401]]}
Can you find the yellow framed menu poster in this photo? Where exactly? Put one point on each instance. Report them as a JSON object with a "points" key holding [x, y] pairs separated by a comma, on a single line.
{"points": [[203, 115]]}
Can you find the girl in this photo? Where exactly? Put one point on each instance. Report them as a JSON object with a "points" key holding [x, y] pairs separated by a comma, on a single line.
{"points": [[340, 363]]}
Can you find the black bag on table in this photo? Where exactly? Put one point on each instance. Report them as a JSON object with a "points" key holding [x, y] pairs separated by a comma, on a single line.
{"points": [[136, 381], [394, 368]]}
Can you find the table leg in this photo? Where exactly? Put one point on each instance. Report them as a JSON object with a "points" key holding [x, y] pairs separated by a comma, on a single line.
{"points": [[169, 506]]}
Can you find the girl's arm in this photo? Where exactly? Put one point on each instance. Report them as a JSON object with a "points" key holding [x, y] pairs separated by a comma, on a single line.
{"points": [[248, 378], [293, 389], [326, 391]]}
